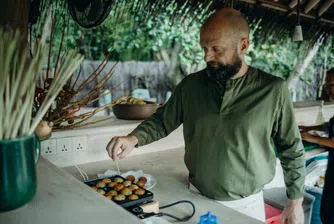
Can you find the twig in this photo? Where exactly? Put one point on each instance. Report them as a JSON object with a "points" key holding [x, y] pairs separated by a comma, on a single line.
{"points": [[94, 91], [87, 81], [84, 115], [60, 48], [77, 77], [85, 124], [90, 102], [98, 86]]}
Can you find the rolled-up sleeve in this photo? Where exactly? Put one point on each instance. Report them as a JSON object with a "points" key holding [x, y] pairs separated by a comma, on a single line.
{"points": [[289, 146]]}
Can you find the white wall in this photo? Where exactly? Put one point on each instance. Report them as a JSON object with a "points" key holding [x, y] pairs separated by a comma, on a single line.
{"points": [[95, 138]]}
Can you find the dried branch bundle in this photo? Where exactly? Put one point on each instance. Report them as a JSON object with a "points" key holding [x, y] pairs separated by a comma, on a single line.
{"points": [[62, 115]]}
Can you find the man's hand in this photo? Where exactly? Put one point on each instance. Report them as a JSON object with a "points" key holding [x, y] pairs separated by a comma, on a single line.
{"points": [[293, 212], [308, 137], [123, 143], [303, 128]]}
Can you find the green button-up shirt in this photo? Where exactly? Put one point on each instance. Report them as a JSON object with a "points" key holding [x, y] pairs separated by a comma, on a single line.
{"points": [[231, 131]]}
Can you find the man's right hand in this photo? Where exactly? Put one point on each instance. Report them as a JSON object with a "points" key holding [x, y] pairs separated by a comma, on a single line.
{"points": [[123, 143]]}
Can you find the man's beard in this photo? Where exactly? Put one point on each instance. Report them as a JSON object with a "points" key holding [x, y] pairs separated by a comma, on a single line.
{"points": [[223, 72]]}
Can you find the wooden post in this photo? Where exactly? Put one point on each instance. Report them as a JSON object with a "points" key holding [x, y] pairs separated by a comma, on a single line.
{"points": [[14, 14]]}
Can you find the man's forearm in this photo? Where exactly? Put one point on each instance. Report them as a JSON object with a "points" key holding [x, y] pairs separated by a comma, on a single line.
{"points": [[295, 202], [322, 127], [134, 139], [293, 164], [324, 141]]}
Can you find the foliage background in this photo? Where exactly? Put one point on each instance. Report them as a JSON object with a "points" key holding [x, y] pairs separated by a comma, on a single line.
{"points": [[132, 38]]}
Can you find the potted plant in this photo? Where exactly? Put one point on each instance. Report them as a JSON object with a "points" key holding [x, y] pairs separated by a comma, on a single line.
{"points": [[19, 145]]}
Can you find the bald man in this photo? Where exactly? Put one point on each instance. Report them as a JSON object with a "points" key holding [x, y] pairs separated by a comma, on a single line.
{"points": [[233, 116]]}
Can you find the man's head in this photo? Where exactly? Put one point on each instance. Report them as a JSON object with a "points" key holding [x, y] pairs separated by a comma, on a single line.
{"points": [[224, 38]]}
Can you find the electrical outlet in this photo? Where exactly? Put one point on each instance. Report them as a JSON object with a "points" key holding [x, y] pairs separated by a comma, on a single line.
{"points": [[49, 147], [64, 145], [80, 143]]}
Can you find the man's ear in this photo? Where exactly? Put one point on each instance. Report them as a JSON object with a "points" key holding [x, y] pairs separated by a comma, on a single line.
{"points": [[243, 46]]}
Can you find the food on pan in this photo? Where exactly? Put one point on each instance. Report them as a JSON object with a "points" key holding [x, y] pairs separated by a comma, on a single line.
{"points": [[140, 183], [126, 191], [133, 197], [118, 187], [100, 184], [113, 193], [133, 187], [106, 180], [101, 191], [108, 196], [112, 184], [118, 180], [131, 178], [94, 188], [140, 191], [142, 179], [119, 197], [127, 183]]}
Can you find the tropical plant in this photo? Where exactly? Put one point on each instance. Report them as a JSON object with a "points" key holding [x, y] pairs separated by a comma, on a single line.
{"points": [[137, 36]]}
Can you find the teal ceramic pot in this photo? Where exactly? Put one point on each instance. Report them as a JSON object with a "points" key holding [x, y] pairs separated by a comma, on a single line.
{"points": [[18, 159]]}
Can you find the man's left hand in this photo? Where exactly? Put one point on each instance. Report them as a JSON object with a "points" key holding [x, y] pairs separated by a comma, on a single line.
{"points": [[293, 212]]}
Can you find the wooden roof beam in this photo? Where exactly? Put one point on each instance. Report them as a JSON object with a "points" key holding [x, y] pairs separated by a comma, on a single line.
{"points": [[325, 7], [293, 3], [284, 8], [310, 5]]}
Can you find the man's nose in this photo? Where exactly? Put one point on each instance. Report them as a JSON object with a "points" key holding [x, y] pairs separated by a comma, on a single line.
{"points": [[208, 56]]}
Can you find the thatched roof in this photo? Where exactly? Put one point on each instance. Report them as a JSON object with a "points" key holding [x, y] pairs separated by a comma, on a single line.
{"points": [[280, 17], [277, 17]]}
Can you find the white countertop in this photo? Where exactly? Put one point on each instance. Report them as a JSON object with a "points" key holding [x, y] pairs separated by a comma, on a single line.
{"points": [[172, 179], [63, 199]]}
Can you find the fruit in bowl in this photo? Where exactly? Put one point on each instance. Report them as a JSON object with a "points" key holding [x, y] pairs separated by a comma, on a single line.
{"points": [[129, 108], [130, 100]]}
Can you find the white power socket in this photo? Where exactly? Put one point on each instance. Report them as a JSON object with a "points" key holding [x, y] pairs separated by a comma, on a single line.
{"points": [[49, 147], [79, 143], [64, 145]]}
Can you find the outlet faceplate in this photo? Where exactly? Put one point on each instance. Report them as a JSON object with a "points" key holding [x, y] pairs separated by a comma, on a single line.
{"points": [[49, 147], [64, 145], [80, 143]]}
